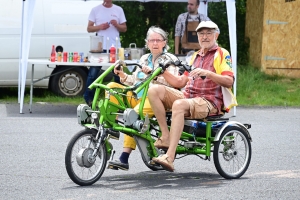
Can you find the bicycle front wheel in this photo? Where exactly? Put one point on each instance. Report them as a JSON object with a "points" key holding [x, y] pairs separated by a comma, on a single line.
{"points": [[82, 166]]}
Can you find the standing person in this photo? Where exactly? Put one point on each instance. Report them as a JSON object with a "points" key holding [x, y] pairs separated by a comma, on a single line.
{"points": [[202, 97], [156, 42], [107, 20], [186, 24]]}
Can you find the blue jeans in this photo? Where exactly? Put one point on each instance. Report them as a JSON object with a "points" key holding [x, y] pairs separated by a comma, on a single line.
{"points": [[94, 73], [92, 76]]}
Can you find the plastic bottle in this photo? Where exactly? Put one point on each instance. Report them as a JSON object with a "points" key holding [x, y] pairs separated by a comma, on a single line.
{"points": [[121, 53], [112, 54], [53, 54]]}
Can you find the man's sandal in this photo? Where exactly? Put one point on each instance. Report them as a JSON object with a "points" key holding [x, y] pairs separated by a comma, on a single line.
{"points": [[164, 162]]}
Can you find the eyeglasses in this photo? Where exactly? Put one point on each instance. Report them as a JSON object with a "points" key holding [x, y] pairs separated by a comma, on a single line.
{"points": [[155, 40], [208, 34]]}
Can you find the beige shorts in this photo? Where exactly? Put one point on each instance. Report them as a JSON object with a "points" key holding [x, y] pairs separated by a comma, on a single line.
{"points": [[199, 107]]}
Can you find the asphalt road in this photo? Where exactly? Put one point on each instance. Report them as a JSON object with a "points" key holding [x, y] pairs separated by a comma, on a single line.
{"points": [[33, 147]]}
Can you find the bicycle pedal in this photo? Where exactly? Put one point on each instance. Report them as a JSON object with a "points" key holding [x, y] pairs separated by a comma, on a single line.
{"points": [[113, 134], [151, 162], [112, 167], [191, 144], [163, 151]]}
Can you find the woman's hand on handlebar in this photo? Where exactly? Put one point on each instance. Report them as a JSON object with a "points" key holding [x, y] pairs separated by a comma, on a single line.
{"points": [[146, 69], [118, 69]]}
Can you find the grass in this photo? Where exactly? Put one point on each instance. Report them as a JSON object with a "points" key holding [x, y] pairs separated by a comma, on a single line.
{"points": [[257, 88], [254, 88], [10, 95]]}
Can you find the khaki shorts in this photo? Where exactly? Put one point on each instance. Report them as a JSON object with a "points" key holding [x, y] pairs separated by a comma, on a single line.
{"points": [[199, 107]]}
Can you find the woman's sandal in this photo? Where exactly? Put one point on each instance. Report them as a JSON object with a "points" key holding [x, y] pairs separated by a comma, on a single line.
{"points": [[164, 162], [160, 145]]}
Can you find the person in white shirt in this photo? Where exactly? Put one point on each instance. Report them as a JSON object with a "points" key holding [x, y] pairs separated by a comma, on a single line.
{"points": [[107, 20]]}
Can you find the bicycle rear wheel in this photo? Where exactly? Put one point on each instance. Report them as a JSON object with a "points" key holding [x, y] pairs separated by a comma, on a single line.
{"points": [[232, 153]]}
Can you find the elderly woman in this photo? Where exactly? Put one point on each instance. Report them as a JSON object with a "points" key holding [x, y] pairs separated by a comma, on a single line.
{"points": [[156, 42]]}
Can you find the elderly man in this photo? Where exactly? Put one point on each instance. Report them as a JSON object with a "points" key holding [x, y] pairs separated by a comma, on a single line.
{"points": [[201, 97], [186, 24]]}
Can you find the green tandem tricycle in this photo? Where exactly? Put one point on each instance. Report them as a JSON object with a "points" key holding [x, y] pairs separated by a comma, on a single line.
{"points": [[87, 153]]}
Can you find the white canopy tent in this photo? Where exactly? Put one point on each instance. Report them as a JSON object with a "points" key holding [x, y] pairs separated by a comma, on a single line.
{"points": [[27, 20]]}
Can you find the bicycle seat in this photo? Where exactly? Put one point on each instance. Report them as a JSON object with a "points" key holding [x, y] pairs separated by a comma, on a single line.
{"points": [[210, 118]]}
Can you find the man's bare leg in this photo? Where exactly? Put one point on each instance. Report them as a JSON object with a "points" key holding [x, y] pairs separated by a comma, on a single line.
{"points": [[156, 94], [180, 109]]}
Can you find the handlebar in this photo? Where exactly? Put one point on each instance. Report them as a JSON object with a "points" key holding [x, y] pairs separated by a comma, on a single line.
{"points": [[163, 64], [186, 67], [124, 64]]}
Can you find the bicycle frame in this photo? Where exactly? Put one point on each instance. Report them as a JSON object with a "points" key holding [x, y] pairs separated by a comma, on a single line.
{"points": [[109, 110]]}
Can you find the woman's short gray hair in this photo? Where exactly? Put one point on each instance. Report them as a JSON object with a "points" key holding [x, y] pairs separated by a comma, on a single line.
{"points": [[156, 29]]}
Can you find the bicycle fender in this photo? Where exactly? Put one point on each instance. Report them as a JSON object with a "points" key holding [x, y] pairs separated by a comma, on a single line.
{"points": [[231, 123]]}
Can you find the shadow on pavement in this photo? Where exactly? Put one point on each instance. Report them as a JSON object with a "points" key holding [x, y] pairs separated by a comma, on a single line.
{"points": [[158, 180], [42, 110]]}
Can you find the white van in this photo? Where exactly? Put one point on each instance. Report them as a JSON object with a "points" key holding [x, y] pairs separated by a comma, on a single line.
{"points": [[56, 22]]}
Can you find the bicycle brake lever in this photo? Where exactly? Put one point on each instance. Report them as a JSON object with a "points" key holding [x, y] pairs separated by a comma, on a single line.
{"points": [[120, 63], [203, 77]]}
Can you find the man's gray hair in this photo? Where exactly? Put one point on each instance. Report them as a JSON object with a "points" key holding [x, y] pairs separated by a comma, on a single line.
{"points": [[156, 29]]}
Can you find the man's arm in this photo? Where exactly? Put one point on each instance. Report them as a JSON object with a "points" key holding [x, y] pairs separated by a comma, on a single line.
{"points": [[177, 41], [178, 29], [120, 27], [91, 28], [223, 80], [175, 80]]}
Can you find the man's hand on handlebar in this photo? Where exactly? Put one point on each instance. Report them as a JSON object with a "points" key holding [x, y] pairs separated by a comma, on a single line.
{"points": [[164, 64], [198, 72]]}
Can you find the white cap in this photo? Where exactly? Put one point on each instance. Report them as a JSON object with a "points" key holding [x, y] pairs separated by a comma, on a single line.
{"points": [[207, 24]]}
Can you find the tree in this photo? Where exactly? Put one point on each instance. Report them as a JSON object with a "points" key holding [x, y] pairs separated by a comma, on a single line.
{"points": [[140, 16], [217, 13]]}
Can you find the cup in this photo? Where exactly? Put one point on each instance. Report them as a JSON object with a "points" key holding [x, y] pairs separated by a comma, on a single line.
{"points": [[65, 56], [81, 55], [59, 57], [75, 57], [70, 57]]}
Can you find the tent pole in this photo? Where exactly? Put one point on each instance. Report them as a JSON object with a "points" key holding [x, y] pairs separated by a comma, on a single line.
{"points": [[230, 6]]}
